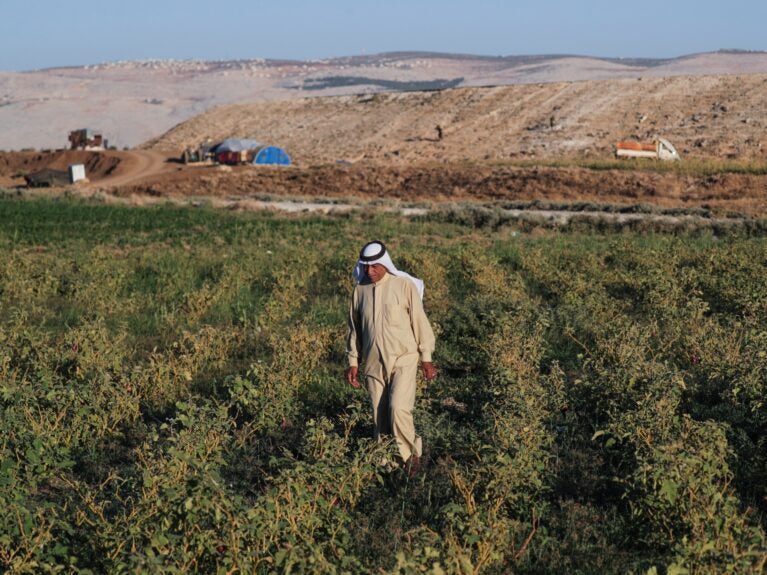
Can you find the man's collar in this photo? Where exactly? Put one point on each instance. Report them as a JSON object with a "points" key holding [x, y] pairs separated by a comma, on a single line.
{"points": [[383, 279]]}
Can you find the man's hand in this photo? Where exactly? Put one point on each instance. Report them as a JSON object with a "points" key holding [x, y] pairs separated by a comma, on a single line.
{"points": [[351, 377], [429, 371]]}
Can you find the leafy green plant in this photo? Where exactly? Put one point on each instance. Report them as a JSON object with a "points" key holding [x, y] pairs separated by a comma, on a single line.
{"points": [[172, 399]]}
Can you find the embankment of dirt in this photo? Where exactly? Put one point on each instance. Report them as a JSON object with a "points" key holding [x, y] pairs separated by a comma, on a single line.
{"points": [[15, 165], [467, 182]]}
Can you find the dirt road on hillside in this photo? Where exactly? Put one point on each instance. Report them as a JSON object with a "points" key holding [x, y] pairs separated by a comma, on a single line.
{"points": [[136, 165]]}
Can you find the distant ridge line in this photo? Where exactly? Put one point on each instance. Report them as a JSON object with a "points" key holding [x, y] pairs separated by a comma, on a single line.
{"points": [[515, 59]]}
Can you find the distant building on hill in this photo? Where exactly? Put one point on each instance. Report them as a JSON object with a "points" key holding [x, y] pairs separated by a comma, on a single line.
{"points": [[87, 139]]}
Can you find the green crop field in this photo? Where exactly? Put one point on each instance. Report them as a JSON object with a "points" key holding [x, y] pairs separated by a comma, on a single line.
{"points": [[172, 398]]}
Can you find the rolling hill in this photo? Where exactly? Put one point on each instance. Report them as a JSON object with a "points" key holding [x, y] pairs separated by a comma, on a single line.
{"points": [[132, 102]]}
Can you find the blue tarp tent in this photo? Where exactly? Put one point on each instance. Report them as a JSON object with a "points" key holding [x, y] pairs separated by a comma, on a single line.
{"points": [[272, 155]]}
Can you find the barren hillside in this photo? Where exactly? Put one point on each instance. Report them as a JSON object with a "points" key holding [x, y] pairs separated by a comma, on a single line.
{"points": [[704, 116], [135, 101]]}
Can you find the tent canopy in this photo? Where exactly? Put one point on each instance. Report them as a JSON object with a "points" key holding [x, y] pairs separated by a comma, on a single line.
{"points": [[272, 155], [237, 145]]}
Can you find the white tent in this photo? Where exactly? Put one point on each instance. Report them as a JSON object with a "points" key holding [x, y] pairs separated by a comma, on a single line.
{"points": [[237, 145]]}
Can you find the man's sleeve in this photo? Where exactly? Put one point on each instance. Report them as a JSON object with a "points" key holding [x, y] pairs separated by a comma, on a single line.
{"points": [[424, 336], [353, 338]]}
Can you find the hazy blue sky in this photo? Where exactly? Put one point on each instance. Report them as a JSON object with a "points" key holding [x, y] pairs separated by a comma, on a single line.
{"points": [[47, 33]]}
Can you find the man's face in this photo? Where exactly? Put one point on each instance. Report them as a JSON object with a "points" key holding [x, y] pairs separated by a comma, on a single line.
{"points": [[375, 272]]}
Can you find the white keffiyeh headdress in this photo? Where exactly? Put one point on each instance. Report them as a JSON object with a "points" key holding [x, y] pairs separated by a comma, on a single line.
{"points": [[375, 253]]}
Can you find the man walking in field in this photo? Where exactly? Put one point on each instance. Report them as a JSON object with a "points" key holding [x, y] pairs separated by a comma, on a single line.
{"points": [[389, 332]]}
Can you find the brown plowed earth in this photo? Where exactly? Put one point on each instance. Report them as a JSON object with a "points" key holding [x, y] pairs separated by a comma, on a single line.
{"points": [[461, 182], [705, 117]]}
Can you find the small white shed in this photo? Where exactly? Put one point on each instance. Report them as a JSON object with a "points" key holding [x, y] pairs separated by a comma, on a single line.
{"points": [[76, 173]]}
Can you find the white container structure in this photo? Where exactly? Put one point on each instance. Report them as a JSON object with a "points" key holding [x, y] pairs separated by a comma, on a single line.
{"points": [[76, 173]]}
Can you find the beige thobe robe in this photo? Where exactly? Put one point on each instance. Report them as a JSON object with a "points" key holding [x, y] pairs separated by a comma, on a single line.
{"points": [[388, 331]]}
